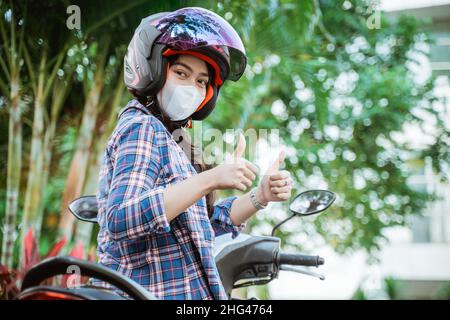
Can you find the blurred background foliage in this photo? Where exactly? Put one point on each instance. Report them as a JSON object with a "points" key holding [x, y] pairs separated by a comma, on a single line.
{"points": [[335, 89]]}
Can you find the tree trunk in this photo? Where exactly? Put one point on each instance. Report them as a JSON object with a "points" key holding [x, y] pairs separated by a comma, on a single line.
{"points": [[10, 64], [13, 173], [33, 195], [83, 229], [60, 93], [79, 165]]}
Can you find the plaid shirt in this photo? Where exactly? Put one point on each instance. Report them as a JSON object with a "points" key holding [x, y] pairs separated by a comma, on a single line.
{"points": [[172, 260]]}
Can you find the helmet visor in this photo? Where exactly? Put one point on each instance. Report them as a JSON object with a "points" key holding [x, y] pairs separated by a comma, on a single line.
{"points": [[192, 28]]}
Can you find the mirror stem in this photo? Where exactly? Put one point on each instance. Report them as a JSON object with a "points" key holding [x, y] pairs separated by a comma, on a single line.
{"points": [[279, 224]]}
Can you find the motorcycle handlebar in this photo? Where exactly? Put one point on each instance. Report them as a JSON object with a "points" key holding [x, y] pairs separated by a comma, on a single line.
{"points": [[300, 260]]}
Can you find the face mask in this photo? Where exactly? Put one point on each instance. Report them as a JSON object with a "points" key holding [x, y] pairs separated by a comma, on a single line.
{"points": [[179, 101]]}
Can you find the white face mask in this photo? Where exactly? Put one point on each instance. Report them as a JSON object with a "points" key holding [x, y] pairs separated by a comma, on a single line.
{"points": [[179, 101]]}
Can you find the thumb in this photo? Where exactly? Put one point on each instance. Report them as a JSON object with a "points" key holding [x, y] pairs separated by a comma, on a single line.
{"points": [[277, 163], [240, 149]]}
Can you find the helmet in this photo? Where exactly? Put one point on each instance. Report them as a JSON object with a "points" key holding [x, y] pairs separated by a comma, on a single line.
{"points": [[192, 30]]}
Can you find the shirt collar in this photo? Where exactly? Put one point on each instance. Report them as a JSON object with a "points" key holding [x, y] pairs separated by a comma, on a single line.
{"points": [[134, 104]]}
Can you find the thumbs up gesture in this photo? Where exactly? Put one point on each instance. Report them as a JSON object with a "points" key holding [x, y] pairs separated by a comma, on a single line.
{"points": [[236, 173], [276, 184], [240, 148]]}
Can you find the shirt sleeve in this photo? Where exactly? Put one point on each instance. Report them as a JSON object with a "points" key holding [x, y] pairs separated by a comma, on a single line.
{"points": [[221, 221], [135, 206]]}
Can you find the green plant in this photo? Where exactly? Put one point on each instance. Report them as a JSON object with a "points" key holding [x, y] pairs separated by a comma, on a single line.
{"points": [[392, 288], [443, 293], [360, 294], [10, 279]]}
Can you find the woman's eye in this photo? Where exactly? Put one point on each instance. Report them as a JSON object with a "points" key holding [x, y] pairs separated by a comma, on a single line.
{"points": [[202, 82]]}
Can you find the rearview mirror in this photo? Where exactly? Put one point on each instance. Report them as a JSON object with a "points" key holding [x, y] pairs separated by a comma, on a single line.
{"points": [[85, 208], [312, 202], [308, 203]]}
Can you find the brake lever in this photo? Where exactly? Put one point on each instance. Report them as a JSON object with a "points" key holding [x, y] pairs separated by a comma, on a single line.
{"points": [[303, 271]]}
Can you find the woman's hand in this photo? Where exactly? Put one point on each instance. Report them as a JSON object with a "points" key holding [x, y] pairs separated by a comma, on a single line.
{"points": [[237, 173], [275, 185]]}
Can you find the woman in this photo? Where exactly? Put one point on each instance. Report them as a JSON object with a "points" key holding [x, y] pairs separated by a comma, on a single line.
{"points": [[157, 214]]}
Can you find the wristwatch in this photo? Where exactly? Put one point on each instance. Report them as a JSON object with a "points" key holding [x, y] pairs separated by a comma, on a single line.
{"points": [[258, 205]]}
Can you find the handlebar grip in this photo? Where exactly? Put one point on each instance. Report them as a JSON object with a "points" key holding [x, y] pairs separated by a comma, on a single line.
{"points": [[300, 260]]}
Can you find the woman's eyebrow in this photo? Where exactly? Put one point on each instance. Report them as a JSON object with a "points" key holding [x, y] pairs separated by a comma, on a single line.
{"points": [[189, 68]]}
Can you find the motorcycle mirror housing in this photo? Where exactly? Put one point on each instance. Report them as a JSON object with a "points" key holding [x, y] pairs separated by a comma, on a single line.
{"points": [[308, 203], [312, 202], [85, 208]]}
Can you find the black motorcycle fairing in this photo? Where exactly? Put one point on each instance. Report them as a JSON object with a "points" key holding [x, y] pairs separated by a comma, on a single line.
{"points": [[59, 265], [82, 293], [253, 257]]}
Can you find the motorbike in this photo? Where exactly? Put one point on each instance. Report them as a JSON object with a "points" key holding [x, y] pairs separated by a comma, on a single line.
{"points": [[246, 260]]}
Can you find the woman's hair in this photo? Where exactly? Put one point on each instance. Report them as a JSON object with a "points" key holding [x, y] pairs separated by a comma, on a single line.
{"points": [[193, 152]]}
